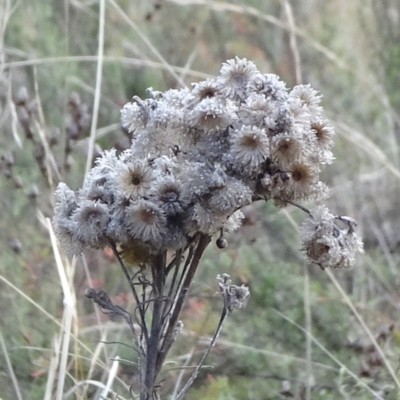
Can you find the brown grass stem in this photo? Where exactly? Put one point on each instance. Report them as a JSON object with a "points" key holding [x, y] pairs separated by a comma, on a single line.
{"points": [[99, 75]]}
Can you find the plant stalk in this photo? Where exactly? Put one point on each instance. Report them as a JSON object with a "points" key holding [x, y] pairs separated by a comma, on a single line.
{"points": [[158, 266], [203, 242]]}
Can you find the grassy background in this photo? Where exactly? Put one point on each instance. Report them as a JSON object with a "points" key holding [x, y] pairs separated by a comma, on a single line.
{"points": [[304, 327]]}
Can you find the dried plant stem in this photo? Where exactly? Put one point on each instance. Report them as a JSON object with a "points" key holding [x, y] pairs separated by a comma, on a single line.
{"points": [[205, 355], [153, 343], [182, 291], [134, 292], [10, 369], [99, 76], [308, 323], [160, 335], [300, 206], [295, 55]]}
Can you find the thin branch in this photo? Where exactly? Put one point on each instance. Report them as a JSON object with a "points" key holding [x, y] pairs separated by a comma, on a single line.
{"points": [[301, 207], [135, 295], [158, 272], [10, 369], [99, 76], [205, 355], [203, 242], [177, 262], [176, 270]]}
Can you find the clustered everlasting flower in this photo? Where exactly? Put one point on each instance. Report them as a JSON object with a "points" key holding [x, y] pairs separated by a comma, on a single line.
{"points": [[197, 157]]}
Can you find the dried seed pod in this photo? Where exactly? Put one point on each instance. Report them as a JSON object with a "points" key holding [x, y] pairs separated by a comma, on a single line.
{"points": [[78, 118], [53, 138], [33, 193], [222, 243], [15, 245], [7, 159], [7, 172], [17, 180], [22, 97]]}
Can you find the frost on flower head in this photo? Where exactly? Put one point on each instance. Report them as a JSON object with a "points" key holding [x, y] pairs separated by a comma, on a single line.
{"points": [[235, 75], [133, 179], [197, 157], [249, 147]]}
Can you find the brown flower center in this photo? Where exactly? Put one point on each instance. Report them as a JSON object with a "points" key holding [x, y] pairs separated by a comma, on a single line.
{"points": [[301, 173], [208, 93], [250, 141], [147, 216], [136, 180]]}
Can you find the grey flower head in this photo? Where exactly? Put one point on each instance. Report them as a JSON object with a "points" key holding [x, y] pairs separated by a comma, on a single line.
{"points": [[324, 134], [234, 77], [134, 116], [204, 90], [325, 244], [146, 222], [171, 196], [212, 114], [309, 97], [268, 85], [66, 202], [259, 110], [134, 178], [303, 178], [235, 297], [249, 147], [286, 149], [91, 219]]}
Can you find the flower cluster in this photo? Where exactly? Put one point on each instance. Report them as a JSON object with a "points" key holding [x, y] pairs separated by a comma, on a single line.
{"points": [[197, 156]]}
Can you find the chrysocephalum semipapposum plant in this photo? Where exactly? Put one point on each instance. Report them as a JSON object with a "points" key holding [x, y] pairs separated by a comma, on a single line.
{"points": [[197, 157]]}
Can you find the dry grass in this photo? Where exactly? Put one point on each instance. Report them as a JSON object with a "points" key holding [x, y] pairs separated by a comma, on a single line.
{"points": [[53, 345]]}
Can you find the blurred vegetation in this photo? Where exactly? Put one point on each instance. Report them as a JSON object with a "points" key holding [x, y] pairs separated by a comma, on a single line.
{"points": [[349, 51]]}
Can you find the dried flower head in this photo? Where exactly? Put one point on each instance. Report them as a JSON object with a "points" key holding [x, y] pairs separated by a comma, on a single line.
{"points": [[171, 196], [285, 149], [91, 218], [259, 110], [134, 178], [269, 85], [66, 234], [66, 202], [324, 133], [303, 177], [134, 115], [204, 90], [146, 221], [234, 77], [325, 244], [235, 297], [233, 196], [249, 147], [206, 221], [212, 114], [308, 97]]}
